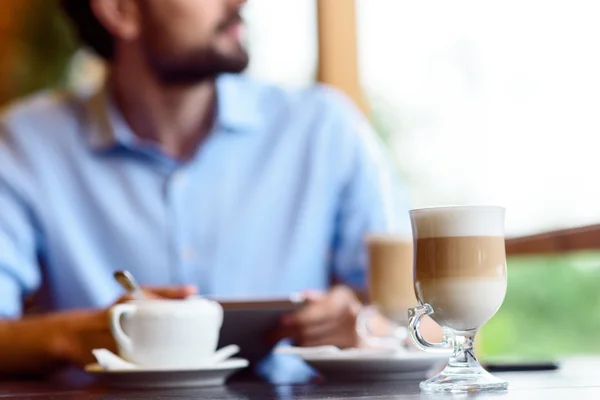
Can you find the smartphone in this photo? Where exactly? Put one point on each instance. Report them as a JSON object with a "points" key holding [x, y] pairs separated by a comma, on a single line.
{"points": [[516, 366], [249, 323]]}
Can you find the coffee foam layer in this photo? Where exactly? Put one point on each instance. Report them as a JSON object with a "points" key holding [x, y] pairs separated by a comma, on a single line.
{"points": [[458, 221]]}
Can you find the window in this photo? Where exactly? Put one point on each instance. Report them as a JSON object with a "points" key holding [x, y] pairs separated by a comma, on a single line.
{"points": [[490, 102], [282, 40], [498, 102]]}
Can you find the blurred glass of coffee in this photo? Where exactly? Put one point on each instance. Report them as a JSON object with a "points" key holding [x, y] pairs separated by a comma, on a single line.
{"points": [[383, 322]]}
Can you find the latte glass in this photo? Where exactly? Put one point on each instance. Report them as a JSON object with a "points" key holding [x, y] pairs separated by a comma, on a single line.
{"points": [[460, 282]]}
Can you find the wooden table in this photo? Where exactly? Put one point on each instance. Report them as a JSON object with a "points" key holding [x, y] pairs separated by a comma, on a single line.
{"points": [[576, 379]]}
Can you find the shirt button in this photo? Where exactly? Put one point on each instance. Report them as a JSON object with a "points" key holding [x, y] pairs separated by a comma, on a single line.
{"points": [[188, 254]]}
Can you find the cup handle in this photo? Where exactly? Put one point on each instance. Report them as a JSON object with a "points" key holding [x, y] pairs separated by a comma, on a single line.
{"points": [[414, 317], [394, 340], [115, 314]]}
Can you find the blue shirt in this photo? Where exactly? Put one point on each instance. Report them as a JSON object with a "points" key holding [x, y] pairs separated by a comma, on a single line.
{"points": [[277, 199]]}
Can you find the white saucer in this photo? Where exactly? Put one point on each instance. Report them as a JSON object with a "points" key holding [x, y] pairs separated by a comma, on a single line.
{"points": [[371, 364], [147, 378]]}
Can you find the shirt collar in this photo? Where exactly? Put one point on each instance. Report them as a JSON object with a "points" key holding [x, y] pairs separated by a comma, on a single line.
{"points": [[238, 103], [108, 128], [237, 111]]}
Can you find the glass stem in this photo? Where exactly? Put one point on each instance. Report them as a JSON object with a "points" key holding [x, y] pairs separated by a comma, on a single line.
{"points": [[464, 352]]}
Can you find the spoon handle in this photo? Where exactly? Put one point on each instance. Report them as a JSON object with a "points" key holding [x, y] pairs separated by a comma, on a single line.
{"points": [[128, 282]]}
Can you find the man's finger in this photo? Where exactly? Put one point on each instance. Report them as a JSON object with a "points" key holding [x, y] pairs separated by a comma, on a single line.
{"points": [[290, 327], [170, 292], [313, 313], [316, 331], [312, 296], [300, 334]]}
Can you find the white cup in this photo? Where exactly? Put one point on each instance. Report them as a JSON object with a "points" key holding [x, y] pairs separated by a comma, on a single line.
{"points": [[167, 333]]}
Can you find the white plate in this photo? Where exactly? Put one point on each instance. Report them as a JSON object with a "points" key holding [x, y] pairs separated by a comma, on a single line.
{"points": [[154, 378], [367, 364]]}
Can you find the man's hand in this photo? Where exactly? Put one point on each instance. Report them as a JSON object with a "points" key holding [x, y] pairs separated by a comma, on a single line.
{"points": [[330, 319], [74, 334], [327, 319]]}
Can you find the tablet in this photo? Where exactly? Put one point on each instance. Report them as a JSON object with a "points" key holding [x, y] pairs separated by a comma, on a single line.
{"points": [[249, 323]]}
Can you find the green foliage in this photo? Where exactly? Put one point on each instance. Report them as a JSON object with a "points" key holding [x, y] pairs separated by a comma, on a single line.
{"points": [[45, 46], [552, 309]]}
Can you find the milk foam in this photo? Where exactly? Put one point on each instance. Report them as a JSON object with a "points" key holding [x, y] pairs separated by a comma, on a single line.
{"points": [[462, 303], [457, 221]]}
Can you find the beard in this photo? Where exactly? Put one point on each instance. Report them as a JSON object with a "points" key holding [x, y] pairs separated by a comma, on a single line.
{"points": [[194, 66]]}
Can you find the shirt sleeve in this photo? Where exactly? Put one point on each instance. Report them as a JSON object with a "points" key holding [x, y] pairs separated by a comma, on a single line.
{"points": [[372, 199], [19, 270]]}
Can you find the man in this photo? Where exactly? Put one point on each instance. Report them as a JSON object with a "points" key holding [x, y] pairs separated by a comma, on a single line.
{"points": [[189, 177]]}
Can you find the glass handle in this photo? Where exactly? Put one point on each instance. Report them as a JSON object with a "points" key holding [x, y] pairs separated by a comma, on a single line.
{"points": [[414, 319]]}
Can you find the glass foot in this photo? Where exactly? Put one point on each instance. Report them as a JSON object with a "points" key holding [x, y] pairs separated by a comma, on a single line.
{"points": [[463, 379]]}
